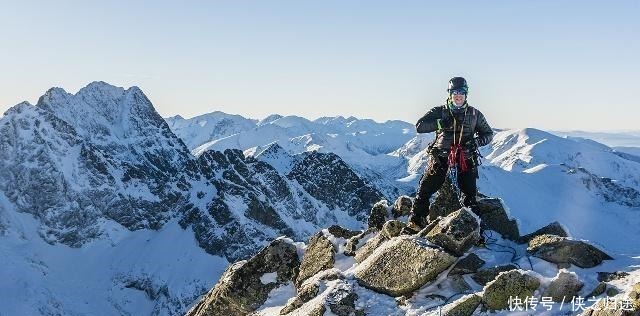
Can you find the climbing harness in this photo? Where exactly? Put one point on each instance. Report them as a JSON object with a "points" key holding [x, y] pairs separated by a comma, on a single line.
{"points": [[456, 157]]}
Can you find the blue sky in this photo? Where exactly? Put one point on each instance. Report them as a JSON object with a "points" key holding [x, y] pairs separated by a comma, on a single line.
{"points": [[543, 64]]}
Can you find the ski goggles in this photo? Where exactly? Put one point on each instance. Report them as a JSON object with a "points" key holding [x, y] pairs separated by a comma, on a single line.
{"points": [[458, 92]]}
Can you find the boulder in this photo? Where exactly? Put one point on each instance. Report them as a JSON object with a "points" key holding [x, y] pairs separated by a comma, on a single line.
{"points": [[340, 299], [379, 214], [494, 217], [402, 206], [241, 290], [487, 275], [319, 255], [445, 202], [402, 265], [305, 294], [355, 242], [552, 229], [611, 291], [564, 287], [457, 232], [342, 302], [392, 228], [469, 264], [508, 284], [610, 276], [558, 249], [464, 306], [598, 290], [369, 247], [628, 305], [341, 232]]}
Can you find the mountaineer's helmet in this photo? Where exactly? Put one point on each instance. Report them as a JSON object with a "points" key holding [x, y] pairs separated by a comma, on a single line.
{"points": [[458, 84]]}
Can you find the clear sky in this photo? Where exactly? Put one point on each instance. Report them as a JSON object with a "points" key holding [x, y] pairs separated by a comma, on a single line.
{"points": [[544, 64]]}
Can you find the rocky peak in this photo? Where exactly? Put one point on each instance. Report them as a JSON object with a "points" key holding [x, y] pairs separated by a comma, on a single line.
{"points": [[443, 270]]}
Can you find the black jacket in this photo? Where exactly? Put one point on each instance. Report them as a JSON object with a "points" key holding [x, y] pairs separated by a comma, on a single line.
{"points": [[474, 122]]}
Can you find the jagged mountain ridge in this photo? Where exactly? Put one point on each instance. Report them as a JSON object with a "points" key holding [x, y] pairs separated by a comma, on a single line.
{"points": [[362, 143], [101, 164]]}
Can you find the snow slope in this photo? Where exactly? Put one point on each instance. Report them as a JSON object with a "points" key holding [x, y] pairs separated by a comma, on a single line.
{"points": [[143, 272]]}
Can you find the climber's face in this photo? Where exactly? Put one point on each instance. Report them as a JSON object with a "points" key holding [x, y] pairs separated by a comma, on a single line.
{"points": [[458, 97]]}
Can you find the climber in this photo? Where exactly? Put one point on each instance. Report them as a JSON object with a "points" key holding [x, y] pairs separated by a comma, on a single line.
{"points": [[460, 130]]}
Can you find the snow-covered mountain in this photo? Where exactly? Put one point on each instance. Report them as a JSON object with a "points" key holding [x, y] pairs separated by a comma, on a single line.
{"points": [[106, 208], [97, 181], [541, 177], [364, 144]]}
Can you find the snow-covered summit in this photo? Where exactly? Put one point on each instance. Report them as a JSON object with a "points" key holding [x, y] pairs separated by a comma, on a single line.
{"points": [[522, 149]]}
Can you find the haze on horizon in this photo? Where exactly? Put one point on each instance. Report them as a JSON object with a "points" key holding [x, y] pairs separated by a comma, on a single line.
{"points": [[569, 65]]}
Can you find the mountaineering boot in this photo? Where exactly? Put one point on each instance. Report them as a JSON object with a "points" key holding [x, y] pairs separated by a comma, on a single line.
{"points": [[416, 223]]}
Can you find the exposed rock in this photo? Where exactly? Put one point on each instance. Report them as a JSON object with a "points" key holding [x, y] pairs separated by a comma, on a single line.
{"points": [[598, 290], [369, 247], [564, 250], [469, 264], [340, 299], [319, 255], [341, 232], [446, 201], [379, 214], [610, 276], [494, 217], [402, 206], [427, 229], [457, 232], [352, 244], [508, 284], [464, 306], [240, 290], [552, 229], [564, 287], [612, 291], [305, 294], [487, 275], [330, 180], [417, 261], [392, 228], [628, 305], [308, 291], [342, 302], [634, 295]]}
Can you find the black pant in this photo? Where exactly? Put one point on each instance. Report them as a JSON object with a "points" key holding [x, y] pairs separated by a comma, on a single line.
{"points": [[434, 177]]}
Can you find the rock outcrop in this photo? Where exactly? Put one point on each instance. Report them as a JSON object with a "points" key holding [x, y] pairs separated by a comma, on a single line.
{"points": [[494, 217], [421, 263], [319, 256], [379, 214], [429, 265], [245, 285], [564, 287], [552, 229], [456, 232], [558, 249], [508, 284], [402, 206]]}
